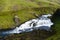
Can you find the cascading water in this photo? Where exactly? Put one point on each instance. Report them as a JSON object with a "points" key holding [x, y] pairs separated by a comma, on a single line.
{"points": [[42, 23]]}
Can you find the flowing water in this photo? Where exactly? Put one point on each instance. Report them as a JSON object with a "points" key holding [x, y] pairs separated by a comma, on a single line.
{"points": [[42, 23]]}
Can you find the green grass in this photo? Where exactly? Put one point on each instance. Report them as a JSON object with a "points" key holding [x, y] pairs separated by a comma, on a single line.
{"points": [[6, 18], [9, 5], [24, 9]]}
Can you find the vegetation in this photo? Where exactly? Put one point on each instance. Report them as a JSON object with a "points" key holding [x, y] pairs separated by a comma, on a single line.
{"points": [[24, 9]]}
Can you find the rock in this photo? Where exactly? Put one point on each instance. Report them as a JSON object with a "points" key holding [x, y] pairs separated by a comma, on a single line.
{"points": [[16, 20]]}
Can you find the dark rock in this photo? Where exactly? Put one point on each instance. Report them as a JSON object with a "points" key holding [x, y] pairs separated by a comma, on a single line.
{"points": [[56, 14]]}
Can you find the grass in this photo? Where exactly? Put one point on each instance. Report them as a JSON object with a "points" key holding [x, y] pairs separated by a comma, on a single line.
{"points": [[24, 15], [9, 5], [24, 9]]}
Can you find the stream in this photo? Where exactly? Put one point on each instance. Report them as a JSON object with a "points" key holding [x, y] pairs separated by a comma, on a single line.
{"points": [[42, 23]]}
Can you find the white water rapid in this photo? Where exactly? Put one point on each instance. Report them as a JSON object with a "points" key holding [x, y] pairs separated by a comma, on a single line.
{"points": [[42, 23]]}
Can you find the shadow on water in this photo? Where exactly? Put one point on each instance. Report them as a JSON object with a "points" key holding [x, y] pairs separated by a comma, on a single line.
{"points": [[34, 35]]}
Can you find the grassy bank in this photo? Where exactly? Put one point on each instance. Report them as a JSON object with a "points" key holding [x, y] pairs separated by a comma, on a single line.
{"points": [[24, 10], [6, 18]]}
